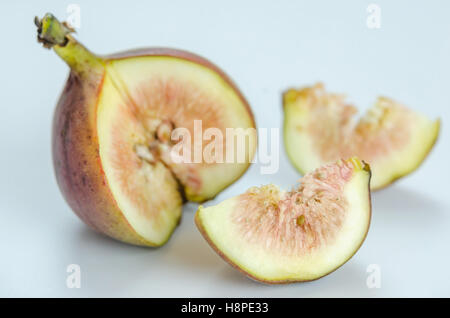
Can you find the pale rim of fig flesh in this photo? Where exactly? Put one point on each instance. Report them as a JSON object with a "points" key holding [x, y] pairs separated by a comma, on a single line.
{"points": [[277, 236], [135, 122], [321, 127]]}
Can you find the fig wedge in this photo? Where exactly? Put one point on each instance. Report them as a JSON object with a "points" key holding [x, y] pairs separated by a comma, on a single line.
{"points": [[277, 236], [320, 127]]}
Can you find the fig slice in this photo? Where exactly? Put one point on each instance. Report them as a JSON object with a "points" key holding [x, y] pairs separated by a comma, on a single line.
{"points": [[277, 236], [320, 127], [113, 132]]}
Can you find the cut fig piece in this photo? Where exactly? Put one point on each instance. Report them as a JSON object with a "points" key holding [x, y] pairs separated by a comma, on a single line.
{"points": [[277, 236], [320, 127], [114, 128]]}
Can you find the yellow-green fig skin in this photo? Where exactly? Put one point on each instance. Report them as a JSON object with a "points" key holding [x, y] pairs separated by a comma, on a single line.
{"points": [[395, 178]]}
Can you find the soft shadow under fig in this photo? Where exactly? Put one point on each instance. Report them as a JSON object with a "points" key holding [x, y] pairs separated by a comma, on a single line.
{"points": [[234, 277], [344, 281], [405, 200], [403, 206], [188, 247], [89, 237]]}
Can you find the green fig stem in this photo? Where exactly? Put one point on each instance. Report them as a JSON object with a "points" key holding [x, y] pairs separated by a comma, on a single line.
{"points": [[56, 35]]}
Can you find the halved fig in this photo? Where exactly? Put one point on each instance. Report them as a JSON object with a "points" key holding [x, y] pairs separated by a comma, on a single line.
{"points": [[277, 236], [113, 135], [320, 127]]}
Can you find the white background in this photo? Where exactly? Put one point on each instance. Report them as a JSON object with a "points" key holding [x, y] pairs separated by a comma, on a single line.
{"points": [[265, 46]]}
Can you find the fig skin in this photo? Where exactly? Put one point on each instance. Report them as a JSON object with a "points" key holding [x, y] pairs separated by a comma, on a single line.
{"points": [[75, 143], [419, 163], [77, 164]]}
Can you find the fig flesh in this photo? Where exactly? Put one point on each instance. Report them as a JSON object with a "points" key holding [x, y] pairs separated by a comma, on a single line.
{"points": [[113, 129], [320, 127], [277, 236]]}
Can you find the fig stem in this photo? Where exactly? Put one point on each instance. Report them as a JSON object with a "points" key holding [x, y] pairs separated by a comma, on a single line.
{"points": [[57, 35]]}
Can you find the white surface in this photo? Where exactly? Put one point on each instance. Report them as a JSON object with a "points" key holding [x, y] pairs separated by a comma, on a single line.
{"points": [[265, 46]]}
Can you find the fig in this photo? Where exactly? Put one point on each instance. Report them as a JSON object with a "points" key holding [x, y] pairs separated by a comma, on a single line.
{"points": [[320, 127], [113, 135], [277, 236]]}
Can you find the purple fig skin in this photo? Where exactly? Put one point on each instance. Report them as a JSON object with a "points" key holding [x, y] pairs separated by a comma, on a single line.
{"points": [[77, 162], [75, 143]]}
